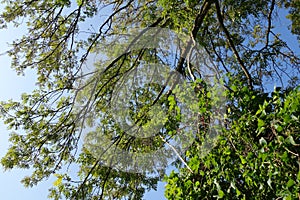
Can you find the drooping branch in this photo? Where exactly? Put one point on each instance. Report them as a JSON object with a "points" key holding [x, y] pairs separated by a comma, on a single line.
{"points": [[232, 46], [197, 25], [270, 22]]}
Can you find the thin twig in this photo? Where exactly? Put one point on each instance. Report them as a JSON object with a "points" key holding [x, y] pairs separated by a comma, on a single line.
{"points": [[176, 152]]}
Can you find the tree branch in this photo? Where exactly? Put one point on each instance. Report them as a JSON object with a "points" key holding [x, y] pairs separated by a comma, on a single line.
{"points": [[232, 46], [198, 23]]}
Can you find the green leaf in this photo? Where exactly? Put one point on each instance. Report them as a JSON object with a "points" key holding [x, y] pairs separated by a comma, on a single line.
{"points": [[243, 160], [290, 183], [278, 128], [221, 193], [280, 138], [262, 141], [208, 94], [269, 182], [260, 123], [58, 181], [227, 151], [289, 197], [290, 140]]}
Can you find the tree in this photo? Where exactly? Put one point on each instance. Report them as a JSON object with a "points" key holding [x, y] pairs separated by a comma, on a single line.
{"points": [[257, 154]]}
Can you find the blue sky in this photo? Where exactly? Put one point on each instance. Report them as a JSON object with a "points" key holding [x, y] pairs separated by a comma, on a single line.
{"points": [[12, 86]]}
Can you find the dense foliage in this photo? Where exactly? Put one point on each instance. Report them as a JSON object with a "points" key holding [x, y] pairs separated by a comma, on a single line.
{"points": [[257, 154]]}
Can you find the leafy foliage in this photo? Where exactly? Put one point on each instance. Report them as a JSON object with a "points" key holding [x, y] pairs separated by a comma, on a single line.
{"points": [[255, 157]]}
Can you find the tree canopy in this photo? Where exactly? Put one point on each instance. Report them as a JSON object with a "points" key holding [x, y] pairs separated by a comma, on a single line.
{"points": [[254, 129]]}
